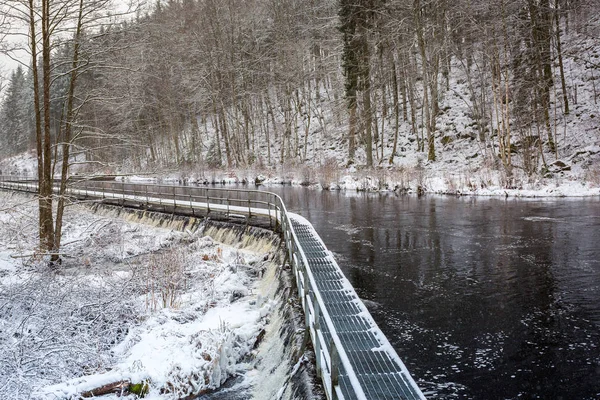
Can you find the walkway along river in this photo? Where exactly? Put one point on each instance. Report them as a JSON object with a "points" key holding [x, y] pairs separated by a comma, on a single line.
{"points": [[353, 357], [483, 298]]}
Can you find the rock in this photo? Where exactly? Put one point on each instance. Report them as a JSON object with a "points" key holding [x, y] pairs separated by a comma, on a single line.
{"points": [[259, 179], [558, 166]]}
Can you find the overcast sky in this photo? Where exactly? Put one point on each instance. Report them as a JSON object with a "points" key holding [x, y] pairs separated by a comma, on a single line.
{"points": [[7, 64]]}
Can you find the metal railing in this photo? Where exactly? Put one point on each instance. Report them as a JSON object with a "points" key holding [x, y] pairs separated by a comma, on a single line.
{"points": [[190, 200], [331, 356]]}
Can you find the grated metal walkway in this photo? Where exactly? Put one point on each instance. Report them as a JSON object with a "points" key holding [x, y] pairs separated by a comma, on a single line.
{"points": [[378, 368]]}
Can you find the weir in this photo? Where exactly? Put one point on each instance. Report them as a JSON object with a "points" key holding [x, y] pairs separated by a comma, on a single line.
{"points": [[354, 358]]}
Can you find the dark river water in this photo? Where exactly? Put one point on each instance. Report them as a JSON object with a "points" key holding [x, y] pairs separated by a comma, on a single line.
{"points": [[482, 298]]}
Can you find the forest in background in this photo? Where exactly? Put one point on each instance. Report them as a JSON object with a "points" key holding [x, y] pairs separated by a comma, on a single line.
{"points": [[190, 87], [222, 84]]}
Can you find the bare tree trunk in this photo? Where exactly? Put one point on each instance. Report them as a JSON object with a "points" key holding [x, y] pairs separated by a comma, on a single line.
{"points": [[196, 140], [273, 121], [368, 120], [413, 104], [38, 118], [174, 128], [308, 120], [506, 113], [560, 58], [497, 99], [224, 133], [396, 109], [426, 81], [68, 134], [267, 135], [540, 33], [45, 181], [352, 130], [366, 93]]}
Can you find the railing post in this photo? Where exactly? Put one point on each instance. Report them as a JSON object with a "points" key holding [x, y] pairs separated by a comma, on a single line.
{"points": [[307, 299], [335, 369], [299, 283], [292, 246], [317, 344], [270, 220]]}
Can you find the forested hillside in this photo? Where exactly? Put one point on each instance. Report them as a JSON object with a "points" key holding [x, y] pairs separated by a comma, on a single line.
{"points": [[508, 88]]}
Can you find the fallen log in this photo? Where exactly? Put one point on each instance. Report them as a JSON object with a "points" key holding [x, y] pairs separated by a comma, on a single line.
{"points": [[114, 387]]}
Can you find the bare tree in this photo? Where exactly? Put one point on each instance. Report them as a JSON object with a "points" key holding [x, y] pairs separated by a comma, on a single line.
{"points": [[50, 23]]}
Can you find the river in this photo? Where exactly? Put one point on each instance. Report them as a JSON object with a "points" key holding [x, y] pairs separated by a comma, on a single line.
{"points": [[482, 298]]}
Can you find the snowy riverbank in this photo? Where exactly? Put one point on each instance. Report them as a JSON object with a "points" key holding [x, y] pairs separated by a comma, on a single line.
{"points": [[176, 313], [419, 179], [579, 176]]}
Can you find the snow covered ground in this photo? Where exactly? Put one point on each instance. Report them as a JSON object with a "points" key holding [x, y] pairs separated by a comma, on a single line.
{"points": [[176, 312]]}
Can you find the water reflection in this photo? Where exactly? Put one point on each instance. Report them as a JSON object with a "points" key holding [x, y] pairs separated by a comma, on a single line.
{"points": [[483, 298]]}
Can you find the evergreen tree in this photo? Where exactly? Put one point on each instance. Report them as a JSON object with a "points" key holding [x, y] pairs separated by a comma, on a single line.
{"points": [[13, 116]]}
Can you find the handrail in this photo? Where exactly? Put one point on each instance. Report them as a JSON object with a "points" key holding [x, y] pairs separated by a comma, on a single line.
{"points": [[337, 344], [329, 353]]}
